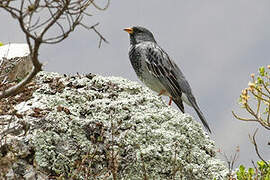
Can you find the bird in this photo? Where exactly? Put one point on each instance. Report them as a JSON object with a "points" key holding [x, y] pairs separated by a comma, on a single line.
{"points": [[158, 71]]}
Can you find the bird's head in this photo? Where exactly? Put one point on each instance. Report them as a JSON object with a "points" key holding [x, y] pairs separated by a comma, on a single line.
{"points": [[139, 34]]}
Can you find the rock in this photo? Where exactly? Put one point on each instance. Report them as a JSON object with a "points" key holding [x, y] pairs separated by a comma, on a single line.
{"points": [[15, 62], [87, 127]]}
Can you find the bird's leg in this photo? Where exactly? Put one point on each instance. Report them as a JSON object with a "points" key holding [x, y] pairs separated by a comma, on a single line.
{"points": [[170, 102], [161, 92]]}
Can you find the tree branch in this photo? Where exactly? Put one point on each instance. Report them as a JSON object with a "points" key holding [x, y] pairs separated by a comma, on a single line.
{"points": [[102, 38], [38, 20], [253, 141]]}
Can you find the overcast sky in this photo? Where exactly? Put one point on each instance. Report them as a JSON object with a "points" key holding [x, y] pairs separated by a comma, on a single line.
{"points": [[217, 44]]}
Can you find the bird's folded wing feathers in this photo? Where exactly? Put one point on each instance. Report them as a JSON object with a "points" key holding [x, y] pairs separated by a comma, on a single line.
{"points": [[160, 65]]}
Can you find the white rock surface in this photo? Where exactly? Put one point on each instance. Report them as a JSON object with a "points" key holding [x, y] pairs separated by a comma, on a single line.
{"points": [[13, 50], [15, 62]]}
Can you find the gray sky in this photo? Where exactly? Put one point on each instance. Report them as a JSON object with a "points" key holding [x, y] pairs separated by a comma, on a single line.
{"points": [[217, 44]]}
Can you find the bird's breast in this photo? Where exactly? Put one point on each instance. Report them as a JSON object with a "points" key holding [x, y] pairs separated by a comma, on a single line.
{"points": [[135, 59], [138, 59]]}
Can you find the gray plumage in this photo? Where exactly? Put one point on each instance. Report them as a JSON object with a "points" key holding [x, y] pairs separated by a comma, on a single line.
{"points": [[156, 70]]}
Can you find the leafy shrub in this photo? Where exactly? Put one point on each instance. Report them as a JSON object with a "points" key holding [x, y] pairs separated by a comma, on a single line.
{"points": [[262, 172], [255, 100]]}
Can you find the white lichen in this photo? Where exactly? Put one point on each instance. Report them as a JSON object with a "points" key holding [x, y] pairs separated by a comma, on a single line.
{"points": [[114, 115]]}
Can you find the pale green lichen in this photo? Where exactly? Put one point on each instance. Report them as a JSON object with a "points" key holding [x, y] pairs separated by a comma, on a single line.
{"points": [[107, 115]]}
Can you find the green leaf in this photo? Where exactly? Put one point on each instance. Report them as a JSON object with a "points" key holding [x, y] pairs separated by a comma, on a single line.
{"points": [[242, 168], [260, 81], [241, 173], [260, 163], [262, 71], [1, 44], [251, 172]]}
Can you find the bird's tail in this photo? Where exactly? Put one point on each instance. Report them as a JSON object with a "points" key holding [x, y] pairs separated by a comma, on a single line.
{"points": [[179, 104], [200, 114]]}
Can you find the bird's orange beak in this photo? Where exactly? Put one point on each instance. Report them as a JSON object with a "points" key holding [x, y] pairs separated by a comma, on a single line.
{"points": [[129, 30]]}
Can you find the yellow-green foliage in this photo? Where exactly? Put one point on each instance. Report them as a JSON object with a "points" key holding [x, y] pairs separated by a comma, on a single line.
{"points": [[255, 99], [1, 44], [261, 172]]}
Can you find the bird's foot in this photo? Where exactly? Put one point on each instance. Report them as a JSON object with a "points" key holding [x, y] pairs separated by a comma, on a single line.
{"points": [[161, 92], [170, 102]]}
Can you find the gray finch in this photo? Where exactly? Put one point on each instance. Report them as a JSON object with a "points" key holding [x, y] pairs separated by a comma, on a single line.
{"points": [[156, 70]]}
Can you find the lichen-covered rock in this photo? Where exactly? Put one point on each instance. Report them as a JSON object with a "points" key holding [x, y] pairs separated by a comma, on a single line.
{"points": [[87, 127]]}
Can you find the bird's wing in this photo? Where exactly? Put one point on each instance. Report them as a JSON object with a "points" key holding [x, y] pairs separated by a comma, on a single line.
{"points": [[161, 66]]}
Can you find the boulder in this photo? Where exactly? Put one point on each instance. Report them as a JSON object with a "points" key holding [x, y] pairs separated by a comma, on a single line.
{"points": [[15, 62], [95, 127]]}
